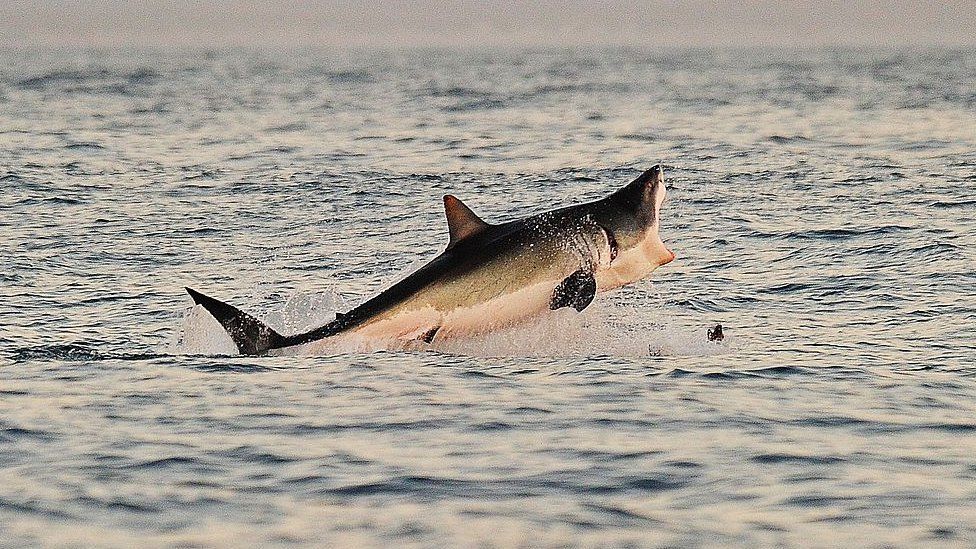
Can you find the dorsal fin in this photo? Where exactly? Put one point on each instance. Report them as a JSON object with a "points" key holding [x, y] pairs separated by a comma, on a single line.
{"points": [[462, 223]]}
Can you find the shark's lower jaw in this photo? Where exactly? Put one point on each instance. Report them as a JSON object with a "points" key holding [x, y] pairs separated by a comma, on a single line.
{"points": [[635, 263]]}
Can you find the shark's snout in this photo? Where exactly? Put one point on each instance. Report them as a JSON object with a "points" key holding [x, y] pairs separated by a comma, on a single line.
{"points": [[657, 173], [652, 177]]}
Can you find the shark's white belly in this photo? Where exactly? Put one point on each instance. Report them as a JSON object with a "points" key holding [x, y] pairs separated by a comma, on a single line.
{"points": [[410, 325], [499, 312]]}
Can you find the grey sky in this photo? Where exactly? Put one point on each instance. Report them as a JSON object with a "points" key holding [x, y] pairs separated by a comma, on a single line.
{"points": [[301, 23]]}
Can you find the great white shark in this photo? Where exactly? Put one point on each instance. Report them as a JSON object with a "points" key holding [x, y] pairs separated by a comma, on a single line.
{"points": [[493, 276]]}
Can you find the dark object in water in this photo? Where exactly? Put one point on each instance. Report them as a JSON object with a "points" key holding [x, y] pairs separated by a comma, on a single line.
{"points": [[715, 334]]}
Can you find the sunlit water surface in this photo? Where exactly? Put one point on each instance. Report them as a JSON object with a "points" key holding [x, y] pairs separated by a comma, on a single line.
{"points": [[821, 206]]}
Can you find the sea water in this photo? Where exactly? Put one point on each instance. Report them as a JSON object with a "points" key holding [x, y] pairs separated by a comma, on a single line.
{"points": [[820, 204]]}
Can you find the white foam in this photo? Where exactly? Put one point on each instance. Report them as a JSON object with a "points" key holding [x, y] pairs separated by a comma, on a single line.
{"points": [[201, 334]]}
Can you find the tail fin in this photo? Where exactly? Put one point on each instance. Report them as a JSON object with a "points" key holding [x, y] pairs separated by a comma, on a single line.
{"points": [[251, 336]]}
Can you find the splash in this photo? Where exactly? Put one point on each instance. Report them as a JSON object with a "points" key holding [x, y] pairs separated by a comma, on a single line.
{"points": [[201, 334], [604, 329]]}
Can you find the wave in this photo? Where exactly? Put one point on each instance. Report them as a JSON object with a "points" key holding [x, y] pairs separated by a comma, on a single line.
{"points": [[74, 353], [103, 80]]}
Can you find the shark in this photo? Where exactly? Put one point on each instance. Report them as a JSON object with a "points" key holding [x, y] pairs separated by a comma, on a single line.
{"points": [[492, 276]]}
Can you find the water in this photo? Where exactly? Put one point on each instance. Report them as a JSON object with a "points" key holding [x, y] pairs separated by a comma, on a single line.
{"points": [[820, 206]]}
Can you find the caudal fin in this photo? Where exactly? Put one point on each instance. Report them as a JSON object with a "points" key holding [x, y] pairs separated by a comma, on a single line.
{"points": [[251, 336]]}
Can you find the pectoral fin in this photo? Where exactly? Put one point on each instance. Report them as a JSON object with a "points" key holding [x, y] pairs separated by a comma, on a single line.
{"points": [[576, 290]]}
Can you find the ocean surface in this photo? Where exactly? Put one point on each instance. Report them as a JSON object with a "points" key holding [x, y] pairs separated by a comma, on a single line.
{"points": [[821, 205]]}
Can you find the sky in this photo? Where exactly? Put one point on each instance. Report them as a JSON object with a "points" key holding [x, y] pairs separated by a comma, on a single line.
{"points": [[564, 23]]}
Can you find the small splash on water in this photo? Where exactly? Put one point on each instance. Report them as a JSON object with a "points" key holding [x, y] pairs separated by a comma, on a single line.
{"points": [[307, 311], [201, 334]]}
